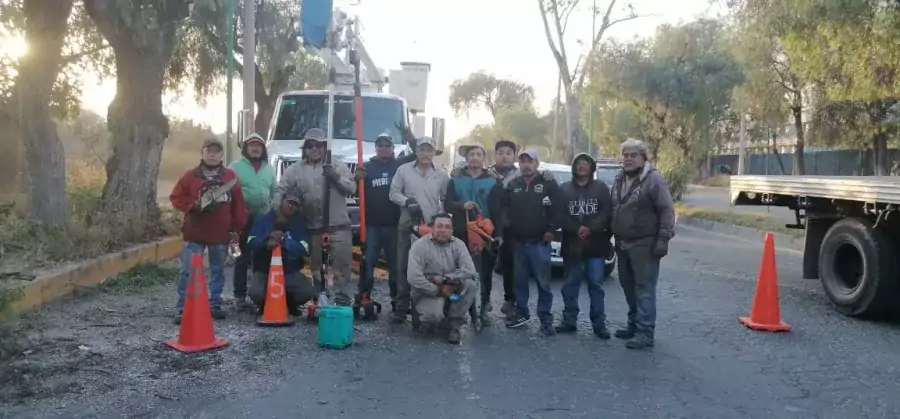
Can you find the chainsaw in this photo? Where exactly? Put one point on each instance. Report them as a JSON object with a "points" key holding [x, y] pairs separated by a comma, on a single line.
{"points": [[213, 195]]}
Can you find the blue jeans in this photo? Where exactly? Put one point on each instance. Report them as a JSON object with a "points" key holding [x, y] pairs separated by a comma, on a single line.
{"points": [[592, 270], [217, 254], [378, 239], [532, 260], [638, 274]]}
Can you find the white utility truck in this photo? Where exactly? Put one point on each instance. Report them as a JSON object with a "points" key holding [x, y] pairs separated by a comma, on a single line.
{"points": [[852, 239]]}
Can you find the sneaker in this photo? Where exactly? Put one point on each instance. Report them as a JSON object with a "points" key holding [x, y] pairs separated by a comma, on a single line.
{"points": [[453, 336], [566, 328], [602, 332], [626, 333], [517, 322], [548, 329], [509, 309], [217, 313], [639, 342]]}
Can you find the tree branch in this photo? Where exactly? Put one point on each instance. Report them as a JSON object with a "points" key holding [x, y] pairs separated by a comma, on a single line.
{"points": [[560, 61], [73, 58]]}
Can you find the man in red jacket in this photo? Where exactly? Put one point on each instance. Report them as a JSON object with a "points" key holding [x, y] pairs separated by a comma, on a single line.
{"points": [[210, 223]]}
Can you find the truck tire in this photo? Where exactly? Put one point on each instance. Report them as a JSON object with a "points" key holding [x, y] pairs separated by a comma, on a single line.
{"points": [[858, 268]]}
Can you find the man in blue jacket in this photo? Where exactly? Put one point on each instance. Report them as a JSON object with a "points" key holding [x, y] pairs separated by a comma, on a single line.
{"points": [[382, 215], [284, 227]]}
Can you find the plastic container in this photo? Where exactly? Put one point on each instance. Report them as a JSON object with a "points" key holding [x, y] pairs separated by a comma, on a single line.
{"points": [[335, 327]]}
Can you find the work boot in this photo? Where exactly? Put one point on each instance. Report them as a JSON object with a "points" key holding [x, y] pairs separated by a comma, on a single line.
{"points": [[602, 332], [217, 313], [177, 319], [566, 328], [626, 332], [453, 336], [639, 342], [487, 307], [343, 300], [240, 303], [295, 311], [548, 329]]}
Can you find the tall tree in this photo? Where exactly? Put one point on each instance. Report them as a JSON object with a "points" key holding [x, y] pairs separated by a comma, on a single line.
{"points": [[481, 89], [45, 158], [555, 14], [281, 63], [142, 34]]}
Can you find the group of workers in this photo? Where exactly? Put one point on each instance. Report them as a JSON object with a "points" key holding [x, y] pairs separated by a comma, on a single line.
{"points": [[420, 217]]}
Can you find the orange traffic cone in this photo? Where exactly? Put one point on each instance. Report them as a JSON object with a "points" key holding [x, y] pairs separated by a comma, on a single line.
{"points": [[765, 314], [196, 334], [275, 310]]}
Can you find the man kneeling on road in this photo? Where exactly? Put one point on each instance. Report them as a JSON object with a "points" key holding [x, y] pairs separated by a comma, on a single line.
{"points": [[442, 279], [284, 227]]}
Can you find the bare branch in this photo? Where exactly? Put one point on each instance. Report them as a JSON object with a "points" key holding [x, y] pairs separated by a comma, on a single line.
{"points": [[560, 61]]}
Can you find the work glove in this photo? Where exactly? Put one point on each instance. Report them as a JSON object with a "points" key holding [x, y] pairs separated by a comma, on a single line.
{"points": [[660, 248], [360, 173], [271, 244], [413, 207], [276, 235], [457, 172], [547, 175], [331, 173]]}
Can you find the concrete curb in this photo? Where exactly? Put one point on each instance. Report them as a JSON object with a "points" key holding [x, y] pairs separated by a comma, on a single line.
{"points": [[49, 287], [781, 239]]}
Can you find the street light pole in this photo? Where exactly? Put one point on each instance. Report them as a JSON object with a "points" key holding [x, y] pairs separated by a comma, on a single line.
{"points": [[229, 77], [249, 76]]}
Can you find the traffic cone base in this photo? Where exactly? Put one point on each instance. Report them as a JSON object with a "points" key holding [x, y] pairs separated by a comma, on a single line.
{"points": [[765, 315], [275, 312], [196, 333], [752, 325]]}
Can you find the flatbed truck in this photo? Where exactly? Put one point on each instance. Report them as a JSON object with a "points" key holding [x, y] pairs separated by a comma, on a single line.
{"points": [[852, 233]]}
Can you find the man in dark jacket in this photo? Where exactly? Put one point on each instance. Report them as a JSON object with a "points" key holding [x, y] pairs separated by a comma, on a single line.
{"points": [[584, 207], [284, 227], [471, 192], [382, 215], [214, 216], [530, 218], [643, 222]]}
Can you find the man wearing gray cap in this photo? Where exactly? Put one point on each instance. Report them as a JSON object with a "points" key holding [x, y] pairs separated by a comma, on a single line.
{"points": [[308, 179], [418, 188]]}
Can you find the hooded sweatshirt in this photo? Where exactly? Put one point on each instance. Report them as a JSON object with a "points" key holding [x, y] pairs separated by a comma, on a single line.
{"points": [[588, 205], [645, 212], [257, 178], [485, 191]]}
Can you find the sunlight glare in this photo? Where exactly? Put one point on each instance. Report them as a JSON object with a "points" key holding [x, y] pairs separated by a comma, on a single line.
{"points": [[13, 47]]}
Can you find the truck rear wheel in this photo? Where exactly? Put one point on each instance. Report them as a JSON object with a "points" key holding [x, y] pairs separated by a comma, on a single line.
{"points": [[858, 268]]}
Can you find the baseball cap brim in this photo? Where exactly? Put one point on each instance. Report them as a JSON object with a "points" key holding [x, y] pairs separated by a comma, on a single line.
{"points": [[213, 142], [528, 153]]}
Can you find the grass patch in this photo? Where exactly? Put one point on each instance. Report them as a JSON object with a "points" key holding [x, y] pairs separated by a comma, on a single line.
{"points": [[720, 181], [141, 277], [759, 222]]}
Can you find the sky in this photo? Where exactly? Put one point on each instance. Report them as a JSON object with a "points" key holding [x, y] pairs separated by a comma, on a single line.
{"points": [[457, 37]]}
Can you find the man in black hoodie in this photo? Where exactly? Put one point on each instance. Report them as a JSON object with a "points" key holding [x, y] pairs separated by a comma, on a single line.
{"points": [[584, 207], [382, 215], [531, 224]]}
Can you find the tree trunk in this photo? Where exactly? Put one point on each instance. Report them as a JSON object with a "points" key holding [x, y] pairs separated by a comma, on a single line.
{"points": [[575, 133], [139, 130], [45, 158], [264, 110], [799, 167], [135, 118]]}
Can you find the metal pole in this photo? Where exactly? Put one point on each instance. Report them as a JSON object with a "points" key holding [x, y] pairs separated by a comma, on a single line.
{"points": [[249, 76], [229, 77], [591, 128], [556, 108], [741, 150]]}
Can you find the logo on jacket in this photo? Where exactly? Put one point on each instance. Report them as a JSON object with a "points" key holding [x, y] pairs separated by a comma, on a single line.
{"points": [[590, 206], [385, 180], [539, 188]]}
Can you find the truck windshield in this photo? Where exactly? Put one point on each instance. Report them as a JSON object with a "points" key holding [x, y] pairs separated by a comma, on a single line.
{"points": [[299, 113]]}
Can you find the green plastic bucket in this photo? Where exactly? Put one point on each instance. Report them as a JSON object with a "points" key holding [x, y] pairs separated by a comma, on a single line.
{"points": [[335, 327]]}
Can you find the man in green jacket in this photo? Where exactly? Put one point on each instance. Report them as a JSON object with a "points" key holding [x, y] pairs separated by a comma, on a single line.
{"points": [[257, 179]]}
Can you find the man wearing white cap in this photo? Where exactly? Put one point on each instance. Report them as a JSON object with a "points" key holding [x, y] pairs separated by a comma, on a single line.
{"points": [[308, 179]]}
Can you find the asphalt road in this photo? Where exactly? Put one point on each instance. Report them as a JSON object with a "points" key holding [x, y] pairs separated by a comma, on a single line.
{"points": [[704, 365], [716, 198]]}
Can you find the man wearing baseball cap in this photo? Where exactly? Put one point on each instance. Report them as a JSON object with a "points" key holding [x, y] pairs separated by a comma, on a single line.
{"points": [[257, 178], [531, 223], [308, 179], [285, 227], [418, 188], [208, 224]]}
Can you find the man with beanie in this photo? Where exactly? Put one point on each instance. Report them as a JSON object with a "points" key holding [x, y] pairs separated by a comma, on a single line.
{"points": [[643, 222], [308, 179], [418, 188], [257, 178], [530, 216], [584, 209], [214, 216], [382, 215]]}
